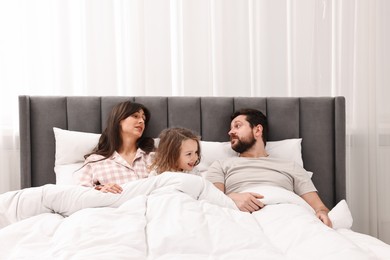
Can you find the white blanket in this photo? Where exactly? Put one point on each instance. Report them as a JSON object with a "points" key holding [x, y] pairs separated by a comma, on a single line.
{"points": [[171, 216]]}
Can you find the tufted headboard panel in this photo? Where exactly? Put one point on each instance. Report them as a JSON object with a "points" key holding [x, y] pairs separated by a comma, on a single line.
{"points": [[319, 121]]}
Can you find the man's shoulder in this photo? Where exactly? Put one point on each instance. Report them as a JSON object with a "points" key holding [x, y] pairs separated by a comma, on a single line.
{"points": [[226, 160], [226, 163], [252, 161], [259, 162]]}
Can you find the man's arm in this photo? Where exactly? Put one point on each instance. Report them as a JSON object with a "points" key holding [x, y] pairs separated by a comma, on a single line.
{"points": [[319, 207], [220, 186], [246, 201]]}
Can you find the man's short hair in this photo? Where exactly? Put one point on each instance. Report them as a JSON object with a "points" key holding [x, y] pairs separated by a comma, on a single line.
{"points": [[254, 117]]}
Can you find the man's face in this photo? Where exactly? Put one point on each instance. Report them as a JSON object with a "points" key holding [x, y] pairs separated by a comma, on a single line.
{"points": [[241, 134]]}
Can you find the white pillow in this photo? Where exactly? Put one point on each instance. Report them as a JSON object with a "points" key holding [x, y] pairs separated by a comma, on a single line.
{"points": [[288, 149], [68, 174], [71, 146], [212, 151], [341, 216]]}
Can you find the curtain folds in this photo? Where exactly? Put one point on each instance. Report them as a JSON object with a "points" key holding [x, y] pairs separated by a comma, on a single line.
{"points": [[210, 48]]}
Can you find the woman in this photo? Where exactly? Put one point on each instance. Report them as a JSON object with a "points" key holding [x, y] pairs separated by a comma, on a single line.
{"points": [[123, 153]]}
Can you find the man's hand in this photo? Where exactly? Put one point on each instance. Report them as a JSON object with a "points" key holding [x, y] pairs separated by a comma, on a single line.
{"points": [[247, 201], [109, 187], [316, 203], [323, 216]]}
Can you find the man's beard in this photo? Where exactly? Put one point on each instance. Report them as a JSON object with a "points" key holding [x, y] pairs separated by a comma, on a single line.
{"points": [[243, 145]]}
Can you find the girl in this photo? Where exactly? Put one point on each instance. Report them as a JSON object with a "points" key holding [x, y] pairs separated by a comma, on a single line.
{"points": [[178, 151], [123, 153]]}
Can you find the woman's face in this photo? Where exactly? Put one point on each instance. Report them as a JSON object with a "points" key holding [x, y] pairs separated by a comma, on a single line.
{"points": [[188, 155], [134, 125]]}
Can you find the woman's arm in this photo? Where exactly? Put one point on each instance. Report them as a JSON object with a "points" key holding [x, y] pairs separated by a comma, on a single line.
{"points": [[86, 176]]}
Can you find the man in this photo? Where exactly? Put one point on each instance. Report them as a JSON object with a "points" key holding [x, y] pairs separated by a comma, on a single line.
{"points": [[248, 136]]}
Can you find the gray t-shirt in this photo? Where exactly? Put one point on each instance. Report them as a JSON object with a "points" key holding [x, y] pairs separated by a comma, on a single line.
{"points": [[240, 173]]}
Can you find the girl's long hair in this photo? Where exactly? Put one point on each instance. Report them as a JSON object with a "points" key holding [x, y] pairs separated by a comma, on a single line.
{"points": [[168, 151]]}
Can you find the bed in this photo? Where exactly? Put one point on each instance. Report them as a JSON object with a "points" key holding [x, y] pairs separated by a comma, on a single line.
{"points": [[175, 215]]}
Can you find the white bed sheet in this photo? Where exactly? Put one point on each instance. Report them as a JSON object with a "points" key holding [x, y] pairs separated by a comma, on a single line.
{"points": [[171, 216]]}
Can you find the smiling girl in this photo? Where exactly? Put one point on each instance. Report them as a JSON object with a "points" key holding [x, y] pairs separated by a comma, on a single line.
{"points": [[178, 151]]}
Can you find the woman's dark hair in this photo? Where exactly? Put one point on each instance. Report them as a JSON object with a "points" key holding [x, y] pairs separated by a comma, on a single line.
{"points": [[254, 117], [110, 140]]}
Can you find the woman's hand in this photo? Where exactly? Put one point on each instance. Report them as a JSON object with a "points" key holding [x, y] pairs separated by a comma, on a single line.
{"points": [[109, 187]]}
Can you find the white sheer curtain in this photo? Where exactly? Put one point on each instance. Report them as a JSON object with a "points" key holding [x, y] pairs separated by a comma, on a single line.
{"points": [[210, 48]]}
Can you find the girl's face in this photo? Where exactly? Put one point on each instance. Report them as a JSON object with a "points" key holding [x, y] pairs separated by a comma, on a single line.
{"points": [[134, 124], [188, 155]]}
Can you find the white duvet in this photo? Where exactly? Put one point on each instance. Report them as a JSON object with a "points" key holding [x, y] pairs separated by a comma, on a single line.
{"points": [[171, 216]]}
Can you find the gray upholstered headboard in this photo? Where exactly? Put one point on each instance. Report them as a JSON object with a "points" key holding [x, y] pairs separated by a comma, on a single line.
{"points": [[319, 121]]}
